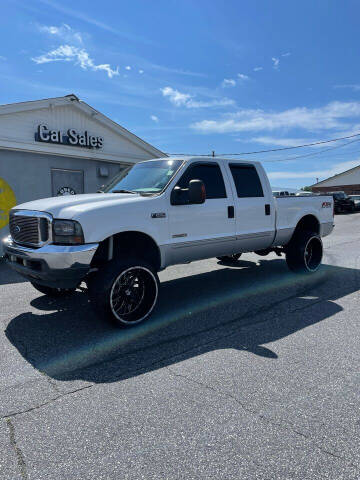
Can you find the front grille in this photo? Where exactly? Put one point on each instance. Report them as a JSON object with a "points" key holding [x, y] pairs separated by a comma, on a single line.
{"points": [[29, 230]]}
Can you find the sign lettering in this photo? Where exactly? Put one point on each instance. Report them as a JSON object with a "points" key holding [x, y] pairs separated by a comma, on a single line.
{"points": [[72, 137]]}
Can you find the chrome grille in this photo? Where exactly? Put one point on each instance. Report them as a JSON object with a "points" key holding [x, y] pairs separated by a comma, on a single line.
{"points": [[29, 229]]}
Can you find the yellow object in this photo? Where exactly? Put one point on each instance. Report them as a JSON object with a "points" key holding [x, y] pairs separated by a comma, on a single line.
{"points": [[7, 201]]}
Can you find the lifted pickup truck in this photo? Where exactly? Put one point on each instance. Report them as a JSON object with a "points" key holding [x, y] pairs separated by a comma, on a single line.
{"points": [[158, 213]]}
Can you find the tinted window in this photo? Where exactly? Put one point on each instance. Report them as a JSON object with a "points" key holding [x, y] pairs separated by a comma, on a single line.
{"points": [[339, 196], [210, 174], [247, 181]]}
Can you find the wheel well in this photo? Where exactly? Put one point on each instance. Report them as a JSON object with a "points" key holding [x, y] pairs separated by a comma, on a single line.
{"points": [[135, 244], [308, 223]]}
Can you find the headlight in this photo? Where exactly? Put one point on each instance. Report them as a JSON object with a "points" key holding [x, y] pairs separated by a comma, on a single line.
{"points": [[68, 232]]}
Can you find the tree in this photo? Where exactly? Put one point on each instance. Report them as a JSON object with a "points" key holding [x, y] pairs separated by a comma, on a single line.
{"points": [[306, 189]]}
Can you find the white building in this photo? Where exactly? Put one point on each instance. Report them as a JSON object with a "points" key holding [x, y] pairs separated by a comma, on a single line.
{"points": [[60, 146], [348, 182]]}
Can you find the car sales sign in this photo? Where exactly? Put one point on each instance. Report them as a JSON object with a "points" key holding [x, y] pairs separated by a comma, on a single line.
{"points": [[72, 137]]}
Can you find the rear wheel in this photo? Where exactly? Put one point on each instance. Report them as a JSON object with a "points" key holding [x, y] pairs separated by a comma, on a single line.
{"points": [[304, 253], [124, 291], [53, 292], [230, 258]]}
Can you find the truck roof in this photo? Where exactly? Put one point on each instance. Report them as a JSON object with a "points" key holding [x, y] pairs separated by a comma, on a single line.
{"points": [[209, 158]]}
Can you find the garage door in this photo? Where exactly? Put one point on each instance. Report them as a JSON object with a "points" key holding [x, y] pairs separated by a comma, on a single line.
{"points": [[67, 182]]}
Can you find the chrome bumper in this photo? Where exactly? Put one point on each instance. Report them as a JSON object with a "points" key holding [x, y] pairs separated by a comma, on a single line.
{"points": [[56, 266]]}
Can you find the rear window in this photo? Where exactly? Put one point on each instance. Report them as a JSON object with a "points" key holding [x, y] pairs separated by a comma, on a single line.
{"points": [[247, 181]]}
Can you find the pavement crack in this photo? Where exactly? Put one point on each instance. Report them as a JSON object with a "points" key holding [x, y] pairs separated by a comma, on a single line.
{"points": [[44, 404], [18, 453], [284, 424]]}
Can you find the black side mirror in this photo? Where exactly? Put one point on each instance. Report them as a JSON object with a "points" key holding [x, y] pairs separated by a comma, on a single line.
{"points": [[197, 192]]}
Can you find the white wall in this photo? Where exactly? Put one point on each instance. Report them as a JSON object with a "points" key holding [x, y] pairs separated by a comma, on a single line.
{"points": [[350, 178], [18, 130]]}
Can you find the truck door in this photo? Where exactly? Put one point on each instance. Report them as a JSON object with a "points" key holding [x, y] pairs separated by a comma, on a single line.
{"points": [[254, 206], [205, 230]]}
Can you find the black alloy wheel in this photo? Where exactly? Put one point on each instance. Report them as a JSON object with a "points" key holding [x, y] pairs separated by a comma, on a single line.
{"points": [[125, 291]]}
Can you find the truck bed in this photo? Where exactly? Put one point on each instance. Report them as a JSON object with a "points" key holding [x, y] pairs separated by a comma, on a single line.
{"points": [[290, 210]]}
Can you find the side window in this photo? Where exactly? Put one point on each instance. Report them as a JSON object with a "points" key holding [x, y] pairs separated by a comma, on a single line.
{"points": [[210, 174], [246, 180]]}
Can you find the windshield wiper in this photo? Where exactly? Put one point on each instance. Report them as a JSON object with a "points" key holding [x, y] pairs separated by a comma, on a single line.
{"points": [[123, 191]]}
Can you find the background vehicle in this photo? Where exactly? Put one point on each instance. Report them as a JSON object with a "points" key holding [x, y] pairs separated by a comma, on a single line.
{"points": [[280, 193], [305, 193], [159, 213], [342, 202], [356, 199]]}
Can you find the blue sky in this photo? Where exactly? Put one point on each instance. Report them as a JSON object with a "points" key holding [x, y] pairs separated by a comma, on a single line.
{"points": [[196, 76]]}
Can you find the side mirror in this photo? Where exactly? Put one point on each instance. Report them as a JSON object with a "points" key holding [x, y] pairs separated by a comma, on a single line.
{"points": [[197, 192]]}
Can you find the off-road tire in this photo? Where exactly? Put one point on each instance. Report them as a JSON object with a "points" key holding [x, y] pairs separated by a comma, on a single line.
{"points": [[304, 252], [124, 291]]}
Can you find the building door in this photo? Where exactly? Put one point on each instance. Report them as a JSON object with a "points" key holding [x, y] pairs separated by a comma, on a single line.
{"points": [[67, 182]]}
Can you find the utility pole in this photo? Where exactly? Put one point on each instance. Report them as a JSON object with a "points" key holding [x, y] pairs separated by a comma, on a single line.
{"points": [[213, 153], [317, 179]]}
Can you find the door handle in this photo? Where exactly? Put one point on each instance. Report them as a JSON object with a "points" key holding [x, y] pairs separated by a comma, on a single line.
{"points": [[267, 209], [231, 212]]}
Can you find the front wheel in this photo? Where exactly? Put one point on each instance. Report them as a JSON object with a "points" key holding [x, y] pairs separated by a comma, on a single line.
{"points": [[124, 291], [230, 258], [304, 253], [53, 292]]}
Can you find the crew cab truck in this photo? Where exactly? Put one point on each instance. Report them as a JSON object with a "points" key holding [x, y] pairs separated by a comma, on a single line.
{"points": [[159, 213]]}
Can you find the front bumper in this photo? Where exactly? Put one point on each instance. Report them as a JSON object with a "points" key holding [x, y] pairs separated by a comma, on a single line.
{"points": [[57, 266]]}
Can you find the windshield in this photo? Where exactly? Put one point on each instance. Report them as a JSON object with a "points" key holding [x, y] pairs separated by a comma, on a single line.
{"points": [[340, 196], [145, 178]]}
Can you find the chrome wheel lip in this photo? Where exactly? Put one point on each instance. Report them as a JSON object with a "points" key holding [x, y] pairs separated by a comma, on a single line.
{"points": [[305, 252], [118, 317]]}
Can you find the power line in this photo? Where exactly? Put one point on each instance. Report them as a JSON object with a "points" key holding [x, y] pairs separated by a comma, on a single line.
{"points": [[313, 153], [263, 151]]}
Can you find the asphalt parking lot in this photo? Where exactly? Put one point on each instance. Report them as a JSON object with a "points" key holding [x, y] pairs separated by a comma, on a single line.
{"points": [[244, 371]]}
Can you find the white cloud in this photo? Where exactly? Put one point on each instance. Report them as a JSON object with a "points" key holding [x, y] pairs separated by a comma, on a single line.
{"points": [[257, 69], [63, 31], [282, 142], [80, 15], [312, 119], [154, 118], [276, 62], [287, 54], [3, 58], [354, 86], [180, 99], [313, 174], [127, 67], [242, 76], [176, 98], [221, 102], [228, 82], [141, 72], [79, 56]]}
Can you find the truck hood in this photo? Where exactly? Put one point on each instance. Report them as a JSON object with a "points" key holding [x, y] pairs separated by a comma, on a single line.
{"points": [[71, 206]]}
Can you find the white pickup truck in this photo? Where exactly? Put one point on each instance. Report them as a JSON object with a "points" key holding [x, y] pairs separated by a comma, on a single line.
{"points": [[158, 213]]}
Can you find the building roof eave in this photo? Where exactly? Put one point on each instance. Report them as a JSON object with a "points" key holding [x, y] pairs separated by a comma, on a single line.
{"points": [[87, 109]]}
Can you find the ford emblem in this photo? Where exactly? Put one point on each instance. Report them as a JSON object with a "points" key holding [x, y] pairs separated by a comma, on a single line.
{"points": [[17, 229]]}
